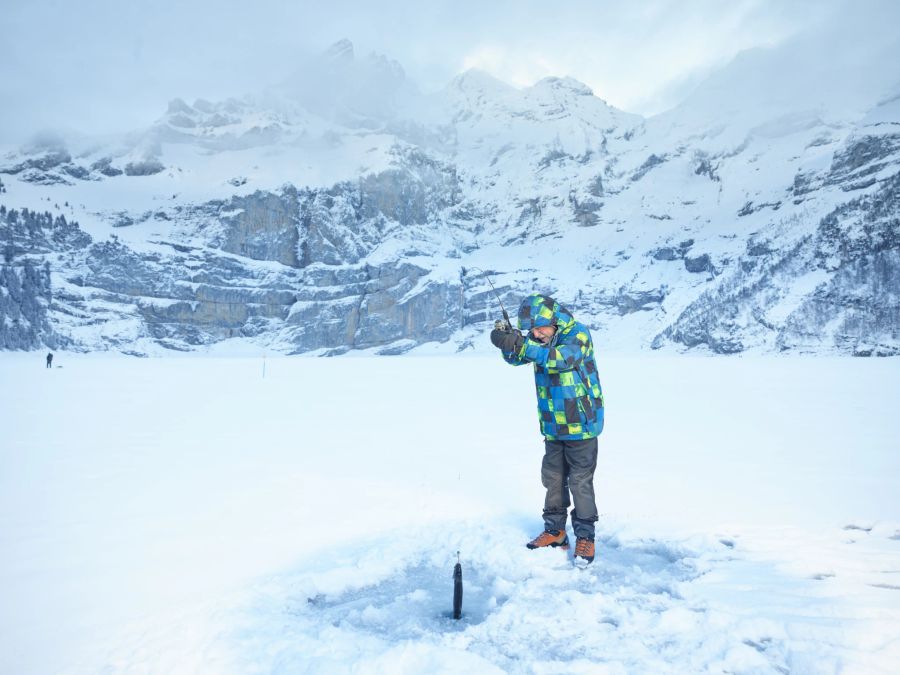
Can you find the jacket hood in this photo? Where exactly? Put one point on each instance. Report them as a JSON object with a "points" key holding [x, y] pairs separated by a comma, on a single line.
{"points": [[542, 310]]}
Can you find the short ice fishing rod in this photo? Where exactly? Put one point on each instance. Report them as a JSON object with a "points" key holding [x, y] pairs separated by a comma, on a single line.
{"points": [[457, 589]]}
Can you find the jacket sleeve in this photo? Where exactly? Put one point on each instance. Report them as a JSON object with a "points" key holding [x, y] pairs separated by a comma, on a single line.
{"points": [[566, 356], [515, 359]]}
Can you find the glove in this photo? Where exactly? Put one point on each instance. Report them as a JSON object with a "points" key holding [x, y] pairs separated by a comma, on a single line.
{"points": [[507, 341]]}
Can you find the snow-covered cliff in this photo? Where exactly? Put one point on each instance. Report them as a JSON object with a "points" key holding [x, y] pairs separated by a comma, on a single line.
{"points": [[344, 209]]}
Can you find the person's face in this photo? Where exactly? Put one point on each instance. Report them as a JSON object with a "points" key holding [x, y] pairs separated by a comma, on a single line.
{"points": [[543, 333]]}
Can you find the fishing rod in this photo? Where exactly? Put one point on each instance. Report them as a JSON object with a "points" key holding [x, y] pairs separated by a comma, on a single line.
{"points": [[457, 589], [506, 324]]}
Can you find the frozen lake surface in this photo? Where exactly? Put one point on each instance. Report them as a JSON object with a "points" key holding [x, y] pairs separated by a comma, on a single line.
{"points": [[189, 515]]}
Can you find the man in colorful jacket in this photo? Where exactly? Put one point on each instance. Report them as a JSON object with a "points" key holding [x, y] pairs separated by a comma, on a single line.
{"points": [[570, 409]]}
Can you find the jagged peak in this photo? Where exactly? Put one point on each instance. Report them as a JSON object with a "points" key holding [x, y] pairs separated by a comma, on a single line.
{"points": [[475, 79], [563, 84], [340, 52], [388, 66], [177, 105], [203, 105]]}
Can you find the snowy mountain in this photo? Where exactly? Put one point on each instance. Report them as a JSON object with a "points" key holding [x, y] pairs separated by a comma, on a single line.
{"points": [[344, 209]]}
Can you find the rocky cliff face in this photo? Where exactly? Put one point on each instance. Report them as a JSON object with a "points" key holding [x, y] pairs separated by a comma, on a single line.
{"points": [[376, 227], [834, 288], [293, 266]]}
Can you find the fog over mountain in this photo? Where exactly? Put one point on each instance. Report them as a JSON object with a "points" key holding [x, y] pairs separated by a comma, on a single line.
{"points": [[343, 207]]}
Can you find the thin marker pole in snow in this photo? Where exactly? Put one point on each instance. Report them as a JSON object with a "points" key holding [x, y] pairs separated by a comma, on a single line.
{"points": [[264, 366]]}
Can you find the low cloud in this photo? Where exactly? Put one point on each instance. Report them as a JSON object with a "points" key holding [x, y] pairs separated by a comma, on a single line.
{"points": [[100, 66]]}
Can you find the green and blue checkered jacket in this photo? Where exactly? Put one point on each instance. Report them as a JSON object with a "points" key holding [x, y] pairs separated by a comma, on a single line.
{"points": [[570, 399]]}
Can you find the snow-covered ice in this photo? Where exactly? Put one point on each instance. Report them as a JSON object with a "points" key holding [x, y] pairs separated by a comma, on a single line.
{"points": [[189, 515]]}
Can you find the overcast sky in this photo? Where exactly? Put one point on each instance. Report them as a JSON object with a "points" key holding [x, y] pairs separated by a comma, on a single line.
{"points": [[111, 65]]}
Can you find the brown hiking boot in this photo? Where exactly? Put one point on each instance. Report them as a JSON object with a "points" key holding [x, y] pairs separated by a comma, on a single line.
{"points": [[557, 538], [584, 549]]}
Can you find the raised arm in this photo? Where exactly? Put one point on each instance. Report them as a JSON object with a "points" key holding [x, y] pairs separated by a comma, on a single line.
{"points": [[511, 345], [565, 356], [515, 358]]}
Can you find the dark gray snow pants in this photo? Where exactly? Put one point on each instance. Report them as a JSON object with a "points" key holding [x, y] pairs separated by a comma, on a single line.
{"points": [[569, 466]]}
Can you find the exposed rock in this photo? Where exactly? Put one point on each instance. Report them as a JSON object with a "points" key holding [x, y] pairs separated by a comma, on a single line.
{"points": [[651, 162], [700, 263], [584, 212], [665, 253], [146, 167], [381, 258], [853, 260], [262, 226], [865, 156], [104, 166], [705, 167]]}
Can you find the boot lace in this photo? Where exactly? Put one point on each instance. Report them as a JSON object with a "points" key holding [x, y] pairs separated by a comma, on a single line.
{"points": [[584, 547], [544, 538]]}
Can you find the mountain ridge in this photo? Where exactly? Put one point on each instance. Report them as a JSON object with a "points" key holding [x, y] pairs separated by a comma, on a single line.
{"points": [[660, 235]]}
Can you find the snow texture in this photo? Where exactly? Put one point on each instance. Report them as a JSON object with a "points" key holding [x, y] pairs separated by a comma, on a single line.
{"points": [[282, 515]]}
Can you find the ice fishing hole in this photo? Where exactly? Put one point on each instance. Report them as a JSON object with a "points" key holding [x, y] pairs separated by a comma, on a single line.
{"points": [[418, 600]]}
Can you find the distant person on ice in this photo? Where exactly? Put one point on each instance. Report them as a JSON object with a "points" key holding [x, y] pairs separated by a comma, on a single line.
{"points": [[570, 409], [50, 359]]}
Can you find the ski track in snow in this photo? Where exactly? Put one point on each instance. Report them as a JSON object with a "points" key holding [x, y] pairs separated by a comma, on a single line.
{"points": [[182, 516]]}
